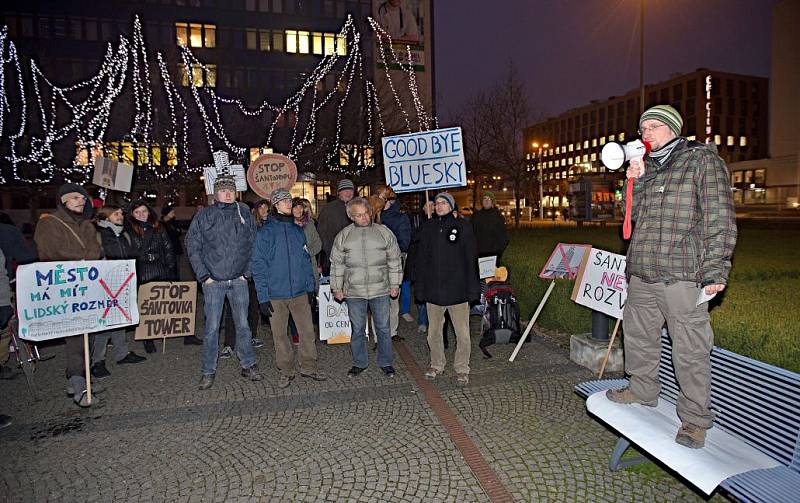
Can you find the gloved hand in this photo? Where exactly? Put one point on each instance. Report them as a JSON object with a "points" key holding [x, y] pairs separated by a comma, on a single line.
{"points": [[6, 312], [266, 308]]}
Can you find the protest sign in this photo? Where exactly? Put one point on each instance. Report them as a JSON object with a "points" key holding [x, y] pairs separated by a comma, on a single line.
{"points": [[112, 174], [269, 172], [61, 299], [601, 284], [334, 321], [166, 309], [487, 266], [564, 262], [426, 160], [222, 166]]}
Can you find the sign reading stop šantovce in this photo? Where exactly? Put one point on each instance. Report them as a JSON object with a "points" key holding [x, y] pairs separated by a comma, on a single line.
{"points": [[269, 172]]}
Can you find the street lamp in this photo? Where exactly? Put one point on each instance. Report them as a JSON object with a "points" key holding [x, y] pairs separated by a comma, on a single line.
{"points": [[540, 148]]}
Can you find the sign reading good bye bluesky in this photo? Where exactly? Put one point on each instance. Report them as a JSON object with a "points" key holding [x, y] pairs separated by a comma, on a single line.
{"points": [[425, 160]]}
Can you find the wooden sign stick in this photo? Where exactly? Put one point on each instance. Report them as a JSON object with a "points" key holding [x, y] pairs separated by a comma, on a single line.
{"points": [[533, 320], [164, 345], [608, 352], [87, 369]]}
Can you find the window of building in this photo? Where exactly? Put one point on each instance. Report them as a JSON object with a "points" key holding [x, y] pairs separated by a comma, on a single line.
{"points": [[196, 35], [263, 5], [316, 43], [585, 143], [611, 137], [277, 7], [602, 140], [264, 40], [593, 157], [622, 136], [291, 41], [106, 32], [585, 157], [594, 142], [730, 141], [199, 78], [303, 45], [718, 139], [59, 27], [742, 141], [277, 40], [44, 27], [251, 39], [691, 137], [760, 176]]}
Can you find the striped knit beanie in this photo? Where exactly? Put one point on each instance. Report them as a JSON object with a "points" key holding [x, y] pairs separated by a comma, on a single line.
{"points": [[666, 114]]}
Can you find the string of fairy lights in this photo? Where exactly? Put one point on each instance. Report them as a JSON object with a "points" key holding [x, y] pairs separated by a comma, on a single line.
{"points": [[33, 122]]}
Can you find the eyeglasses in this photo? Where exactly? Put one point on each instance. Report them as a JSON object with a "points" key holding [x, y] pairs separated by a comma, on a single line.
{"points": [[649, 129]]}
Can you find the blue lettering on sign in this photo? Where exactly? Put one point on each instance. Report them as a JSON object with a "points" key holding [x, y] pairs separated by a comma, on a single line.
{"points": [[425, 160]]}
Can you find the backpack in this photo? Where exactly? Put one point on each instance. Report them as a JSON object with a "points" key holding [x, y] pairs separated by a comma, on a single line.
{"points": [[500, 322]]}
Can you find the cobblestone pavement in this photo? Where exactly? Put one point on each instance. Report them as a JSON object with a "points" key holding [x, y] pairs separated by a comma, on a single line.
{"points": [[156, 437]]}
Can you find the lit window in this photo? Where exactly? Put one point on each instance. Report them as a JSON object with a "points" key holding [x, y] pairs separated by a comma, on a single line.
{"points": [[742, 141], [277, 40], [341, 45], [564, 175], [602, 140], [578, 146], [611, 137], [263, 39], [558, 175], [303, 46], [291, 41], [622, 136], [198, 79], [691, 138], [316, 43], [563, 162], [550, 152], [718, 139], [585, 158], [330, 44], [252, 40], [593, 157], [558, 150], [730, 141], [196, 35], [570, 147], [585, 143], [594, 142]]}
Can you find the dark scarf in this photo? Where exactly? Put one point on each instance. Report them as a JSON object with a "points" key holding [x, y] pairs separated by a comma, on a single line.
{"points": [[661, 155]]}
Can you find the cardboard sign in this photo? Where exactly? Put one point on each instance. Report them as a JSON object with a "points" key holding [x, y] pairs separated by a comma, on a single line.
{"points": [[426, 160], [601, 283], [61, 299], [487, 266], [269, 172], [112, 174], [334, 320], [167, 309], [565, 261]]}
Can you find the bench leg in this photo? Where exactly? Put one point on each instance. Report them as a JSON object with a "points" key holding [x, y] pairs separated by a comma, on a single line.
{"points": [[616, 462]]}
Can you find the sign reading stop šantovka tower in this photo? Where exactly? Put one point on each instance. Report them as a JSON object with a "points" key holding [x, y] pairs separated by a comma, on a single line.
{"points": [[269, 172]]}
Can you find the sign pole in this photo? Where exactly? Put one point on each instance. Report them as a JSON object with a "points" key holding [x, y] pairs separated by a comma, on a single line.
{"points": [[427, 208], [608, 352], [533, 320], [86, 369], [164, 345]]}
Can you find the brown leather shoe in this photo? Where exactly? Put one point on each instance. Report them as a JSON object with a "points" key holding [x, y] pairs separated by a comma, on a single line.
{"points": [[691, 436], [626, 396]]}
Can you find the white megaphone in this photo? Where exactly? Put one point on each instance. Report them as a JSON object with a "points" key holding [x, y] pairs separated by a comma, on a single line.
{"points": [[615, 154]]}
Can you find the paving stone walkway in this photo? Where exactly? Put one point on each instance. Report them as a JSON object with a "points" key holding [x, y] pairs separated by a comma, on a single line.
{"points": [[156, 437]]}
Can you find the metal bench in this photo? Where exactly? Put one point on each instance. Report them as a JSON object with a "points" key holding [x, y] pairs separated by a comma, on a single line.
{"points": [[753, 401]]}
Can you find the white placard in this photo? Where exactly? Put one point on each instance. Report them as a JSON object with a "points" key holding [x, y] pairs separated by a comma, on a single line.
{"points": [[334, 321], [487, 266], [602, 285], [565, 261], [112, 174], [60, 299], [427, 160], [222, 166]]}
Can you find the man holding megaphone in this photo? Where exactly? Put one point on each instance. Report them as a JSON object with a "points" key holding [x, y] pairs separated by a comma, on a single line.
{"points": [[682, 243]]}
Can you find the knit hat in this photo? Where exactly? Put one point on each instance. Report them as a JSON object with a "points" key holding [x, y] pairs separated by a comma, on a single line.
{"points": [[345, 184], [69, 195], [490, 195], [447, 197], [279, 195], [225, 182], [666, 114]]}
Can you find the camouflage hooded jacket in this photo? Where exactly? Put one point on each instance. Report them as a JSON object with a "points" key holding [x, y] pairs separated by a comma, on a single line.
{"points": [[685, 219]]}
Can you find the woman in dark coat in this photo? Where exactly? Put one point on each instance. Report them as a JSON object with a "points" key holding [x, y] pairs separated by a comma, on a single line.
{"points": [[155, 258]]}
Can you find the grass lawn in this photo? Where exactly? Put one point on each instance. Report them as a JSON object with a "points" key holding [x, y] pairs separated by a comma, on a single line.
{"points": [[758, 315]]}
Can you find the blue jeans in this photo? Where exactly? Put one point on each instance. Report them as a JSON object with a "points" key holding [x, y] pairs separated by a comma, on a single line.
{"points": [[405, 297], [213, 298], [422, 314], [357, 310]]}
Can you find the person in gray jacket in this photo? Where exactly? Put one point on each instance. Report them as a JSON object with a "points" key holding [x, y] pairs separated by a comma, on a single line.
{"points": [[366, 270], [219, 245]]}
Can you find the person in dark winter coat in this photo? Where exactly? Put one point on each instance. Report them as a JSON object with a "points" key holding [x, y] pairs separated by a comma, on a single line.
{"points": [[333, 219], [168, 224], [68, 234], [116, 245], [155, 258], [392, 217], [284, 284], [490, 228], [447, 280], [219, 245], [13, 245]]}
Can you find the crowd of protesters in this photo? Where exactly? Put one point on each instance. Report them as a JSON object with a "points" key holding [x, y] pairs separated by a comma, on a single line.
{"points": [[263, 262]]}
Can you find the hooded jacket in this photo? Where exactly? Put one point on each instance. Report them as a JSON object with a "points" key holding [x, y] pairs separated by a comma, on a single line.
{"points": [[365, 262], [281, 264], [685, 218], [219, 244], [447, 262], [64, 235]]}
